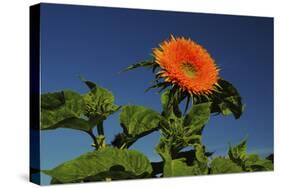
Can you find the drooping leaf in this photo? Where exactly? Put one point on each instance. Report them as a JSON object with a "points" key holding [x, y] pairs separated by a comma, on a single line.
{"points": [[226, 100], [138, 120], [99, 103], [221, 165], [102, 164], [63, 110]]}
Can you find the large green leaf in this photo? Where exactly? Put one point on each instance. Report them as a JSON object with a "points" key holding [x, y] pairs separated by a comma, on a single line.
{"points": [[102, 164], [52, 100], [99, 103], [138, 120], [222, 165], [63, 110]]}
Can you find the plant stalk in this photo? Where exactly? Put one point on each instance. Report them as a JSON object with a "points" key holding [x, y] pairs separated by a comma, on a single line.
{"points": [[100, 129], [90, 133]]}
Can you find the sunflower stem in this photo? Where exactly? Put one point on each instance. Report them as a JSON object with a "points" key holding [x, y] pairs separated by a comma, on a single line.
{"points": [[90, 133], [100, 129]]}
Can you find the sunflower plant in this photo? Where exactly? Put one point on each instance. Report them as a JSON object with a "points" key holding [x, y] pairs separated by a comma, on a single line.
{"points": [[184, 73]]}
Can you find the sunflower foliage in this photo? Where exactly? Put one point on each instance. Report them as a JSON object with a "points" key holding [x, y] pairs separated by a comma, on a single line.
{"points": [[115, 160], [180, 123]]}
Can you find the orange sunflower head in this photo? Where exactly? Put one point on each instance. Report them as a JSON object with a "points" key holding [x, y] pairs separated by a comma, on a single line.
{"points": [[188, 65]]}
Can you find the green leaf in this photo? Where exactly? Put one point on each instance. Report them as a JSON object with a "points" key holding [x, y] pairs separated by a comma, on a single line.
{"points": [[102, 164], [63, 110], [196, 119], [99, 103], [270, 157], [222, 165], [190, 156], [250, 162], [254, 163], [177, 167], [228, 100], [148, 63], [73, 123], [225, 100], [238, 153], [52, 100], [138, 120], [170, 100], [54, 181], [187, 131], [262, 165]]}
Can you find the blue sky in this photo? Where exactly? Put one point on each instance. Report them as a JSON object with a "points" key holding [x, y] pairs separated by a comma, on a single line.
{"points": [[97, 43]]}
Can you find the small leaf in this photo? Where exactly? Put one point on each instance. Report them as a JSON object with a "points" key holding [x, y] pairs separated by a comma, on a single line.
{"points": [[148, 63], [222, 165], [161, 85], [101, 164], [138, 120], [238, 153]]}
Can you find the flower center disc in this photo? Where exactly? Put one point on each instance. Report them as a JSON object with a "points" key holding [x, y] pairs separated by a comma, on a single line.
{"points": [[189, 70]]}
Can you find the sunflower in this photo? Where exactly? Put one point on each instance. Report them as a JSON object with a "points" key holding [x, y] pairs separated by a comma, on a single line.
{"points": [[188, 65]]}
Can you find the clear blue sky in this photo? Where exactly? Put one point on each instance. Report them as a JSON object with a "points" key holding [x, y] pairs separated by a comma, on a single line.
{"points": [[99, 42]]}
